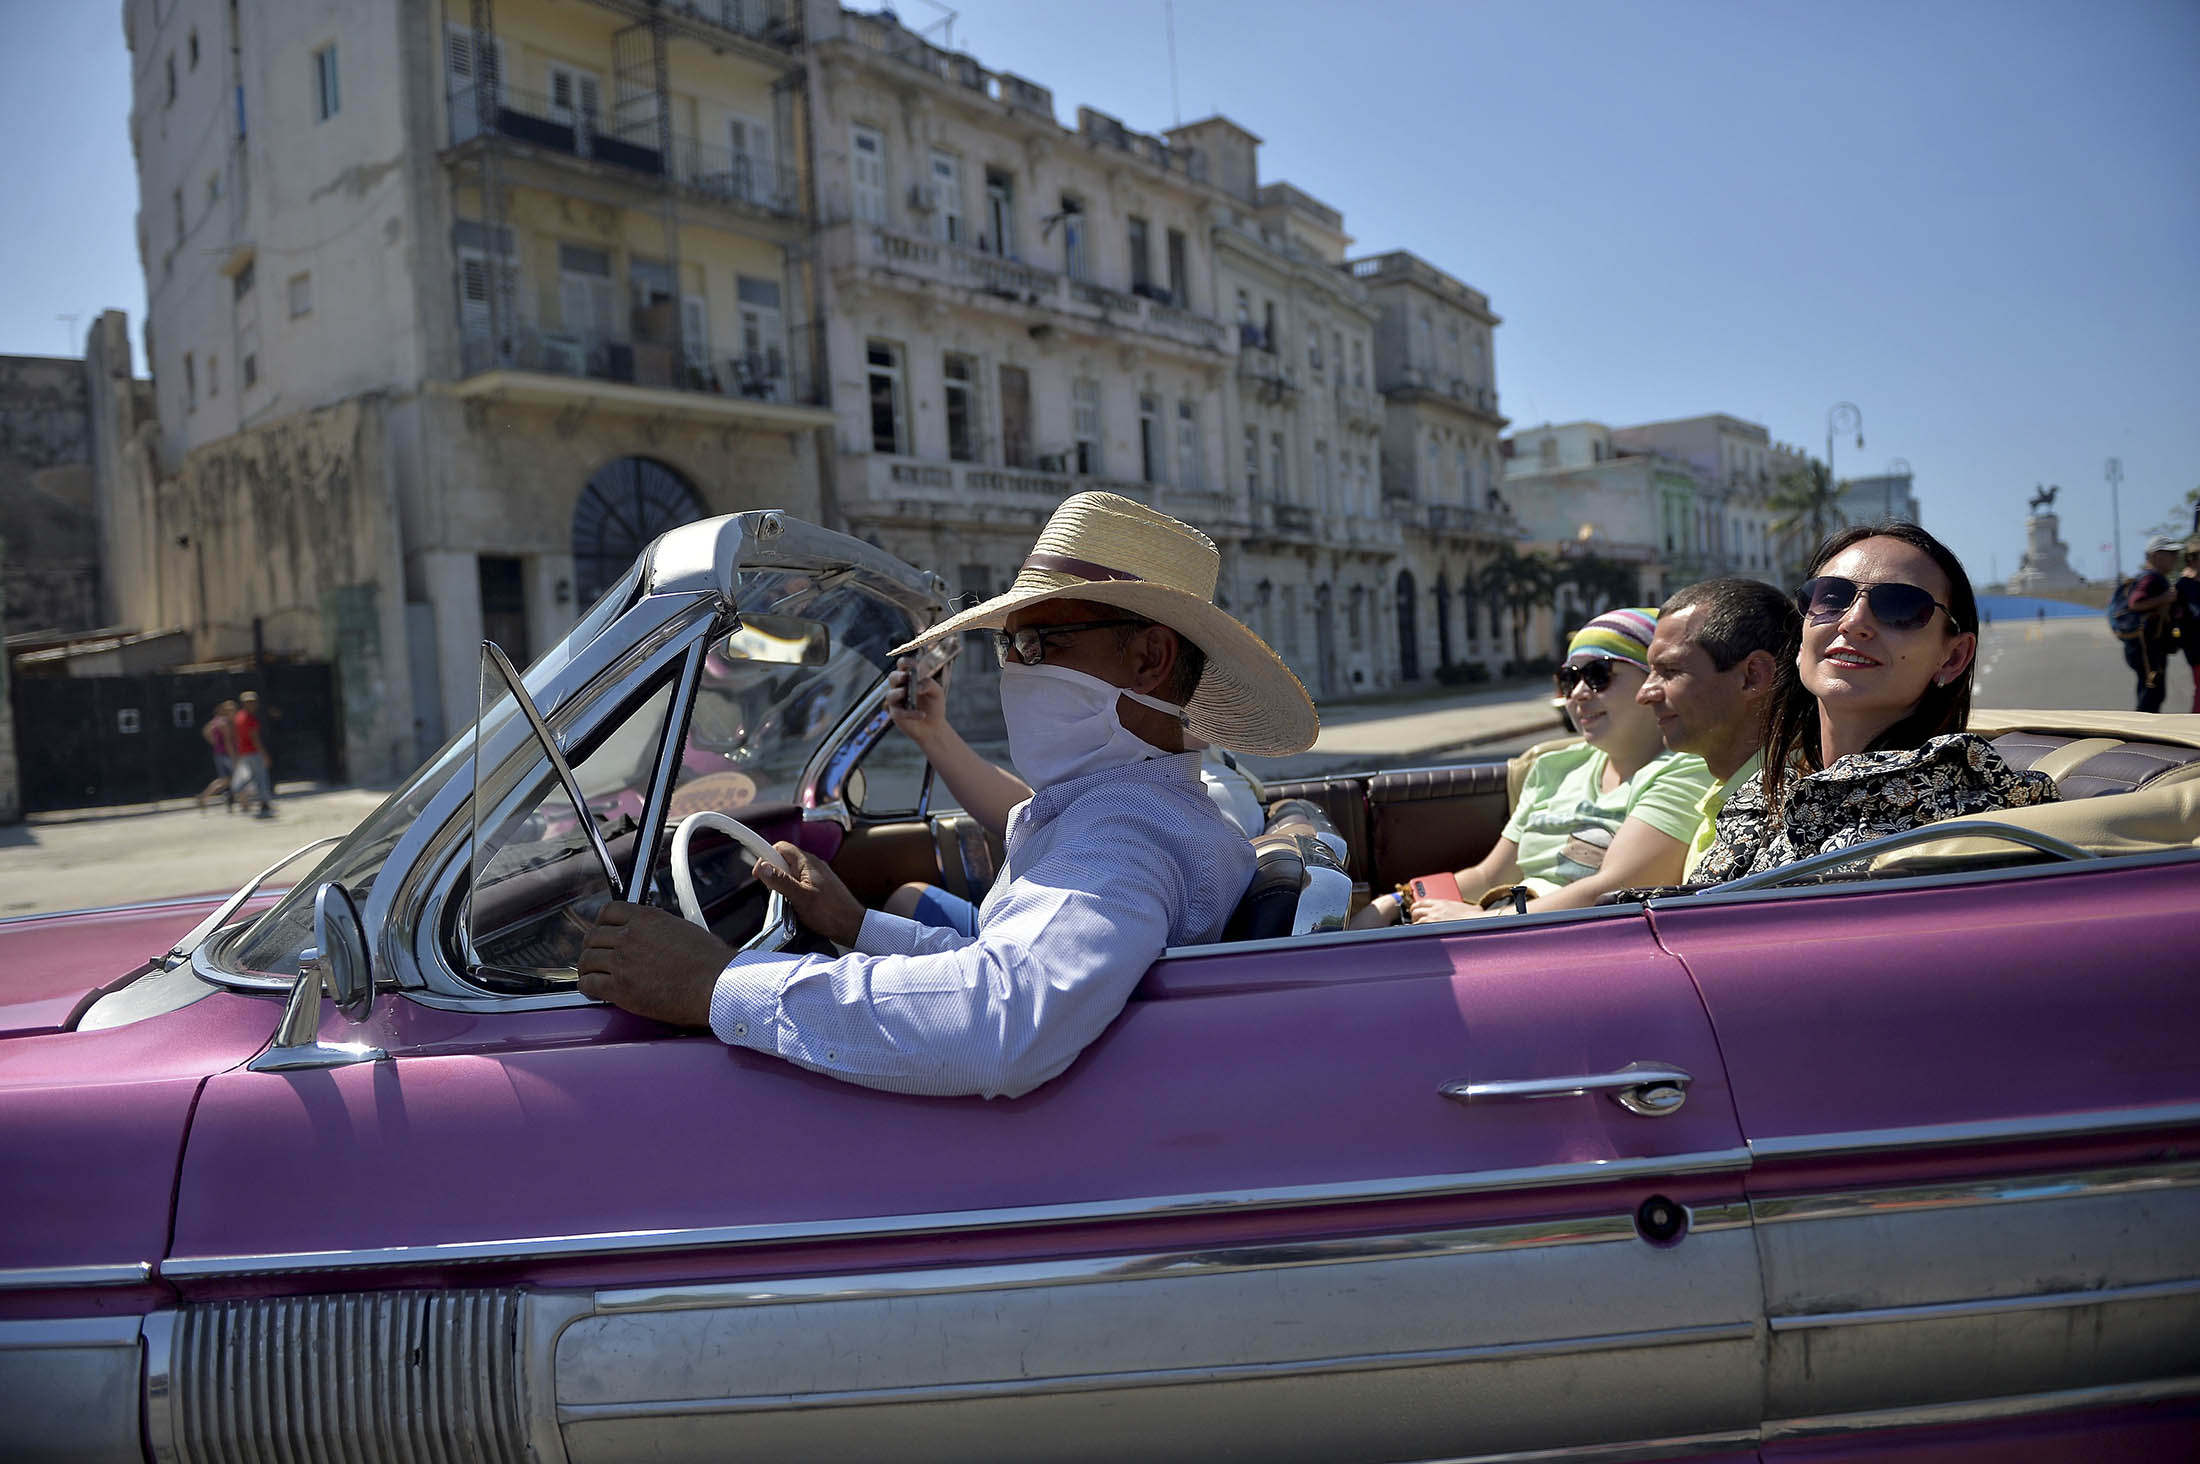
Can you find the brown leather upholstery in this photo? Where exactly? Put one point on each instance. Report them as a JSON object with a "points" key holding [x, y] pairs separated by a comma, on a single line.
{"points": [[1432, 818], [2110, 767]]}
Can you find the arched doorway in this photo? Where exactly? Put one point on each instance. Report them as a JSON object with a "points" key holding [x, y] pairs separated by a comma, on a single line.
{"points": [[629, 501], [1409, 656]]}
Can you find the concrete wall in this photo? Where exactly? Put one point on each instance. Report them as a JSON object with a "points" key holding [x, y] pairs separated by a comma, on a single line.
{"points": [[291, 541], [48, 507]]}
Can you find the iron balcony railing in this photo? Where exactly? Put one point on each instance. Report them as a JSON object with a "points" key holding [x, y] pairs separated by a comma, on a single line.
{"points": [[772, 374]]}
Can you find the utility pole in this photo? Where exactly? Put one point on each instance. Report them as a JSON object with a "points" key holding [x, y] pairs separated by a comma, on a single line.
{"points": [[2115, 475], [1846, 416]]}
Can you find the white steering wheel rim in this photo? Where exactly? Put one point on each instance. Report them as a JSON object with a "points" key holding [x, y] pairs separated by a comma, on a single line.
{"points": [[778, 925]]}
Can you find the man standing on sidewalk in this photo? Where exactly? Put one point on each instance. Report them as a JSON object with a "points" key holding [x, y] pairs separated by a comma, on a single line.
{"points": [[251, 751], [2150, 597], [1714, 661]]}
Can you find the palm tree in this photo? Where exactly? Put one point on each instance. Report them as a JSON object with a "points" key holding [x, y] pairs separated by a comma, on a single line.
{"points": [[1519, 582], [1807, 498], [1603, 583]]}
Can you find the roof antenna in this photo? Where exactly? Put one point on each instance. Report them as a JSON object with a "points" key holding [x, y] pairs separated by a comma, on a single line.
{"points": [[1168, 8]]}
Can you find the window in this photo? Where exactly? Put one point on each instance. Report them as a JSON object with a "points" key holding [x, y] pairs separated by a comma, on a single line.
{"points": [[251, 369], [1085, 423], [1268, 340], [327, 97], [1321, 475], [176, 199], [1152, 464], [1244, 308], [1073, 238], [1466, 479], [1180, 276], [1282, 488], [1435, 469], [947, 197], [584, 292], [301, 294], [1451, 351], [193, 45], [1141, 254], [959, 376], [1190, 450], [1359, 364], [1252, 464], [1000, 213], [1336, 353], [213, 377], [1314, 349], [1425, 356], [171, 101], [458, 61], [883, 366], [190, 383], [575, 97], [1015, 416], [695, 333], [761, 372], [213, 189], [867, 159]]}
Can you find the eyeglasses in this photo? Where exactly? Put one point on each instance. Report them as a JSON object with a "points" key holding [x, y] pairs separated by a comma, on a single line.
{"points": [[1893, 604], [1596, 675], [1031, 644]]}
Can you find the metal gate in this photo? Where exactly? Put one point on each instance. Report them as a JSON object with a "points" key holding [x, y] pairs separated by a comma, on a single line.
{"points": [[92, 741]]}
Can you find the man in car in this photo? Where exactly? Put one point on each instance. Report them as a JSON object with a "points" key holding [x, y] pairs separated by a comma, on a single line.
{"points": [[1714, 660], [1113, 654]]}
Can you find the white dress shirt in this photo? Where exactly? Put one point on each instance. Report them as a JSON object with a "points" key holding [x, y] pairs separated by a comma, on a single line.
{"points": [[1102, 873]]}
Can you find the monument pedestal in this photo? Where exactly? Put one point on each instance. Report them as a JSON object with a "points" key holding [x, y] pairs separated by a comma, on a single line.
{"points": [[2046, 563]]}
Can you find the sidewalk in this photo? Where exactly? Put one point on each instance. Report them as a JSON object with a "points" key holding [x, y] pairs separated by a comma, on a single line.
{"points": [[111, 856]]}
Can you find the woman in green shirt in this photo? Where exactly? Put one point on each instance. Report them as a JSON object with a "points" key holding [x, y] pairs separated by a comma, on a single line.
{"points": [[1613, 812]]}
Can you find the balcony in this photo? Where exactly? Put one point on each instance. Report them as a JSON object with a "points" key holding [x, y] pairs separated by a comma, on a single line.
{"points": [[1268, 376], [1427, 381], [875, 249], [881, 35], [1456, 520], [773, 388], [630, 154], [892, 485], [1359, 403]]}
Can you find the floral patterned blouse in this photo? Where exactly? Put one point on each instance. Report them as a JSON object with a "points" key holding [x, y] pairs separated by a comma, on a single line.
{"points": [[1864, 796]]}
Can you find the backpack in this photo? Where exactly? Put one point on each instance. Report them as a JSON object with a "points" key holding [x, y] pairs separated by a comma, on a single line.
{"points": [[2127, 623]]}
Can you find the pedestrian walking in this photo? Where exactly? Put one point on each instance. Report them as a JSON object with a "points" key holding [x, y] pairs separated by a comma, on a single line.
{"points": [[2146, 600], [220, 733], [2187, 614], [251, 752]]}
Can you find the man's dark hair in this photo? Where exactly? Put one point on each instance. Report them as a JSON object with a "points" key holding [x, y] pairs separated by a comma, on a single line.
{"points": [[1740, 616]]}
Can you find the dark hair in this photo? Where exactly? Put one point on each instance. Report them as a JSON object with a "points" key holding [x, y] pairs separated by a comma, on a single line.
{"points": [[1740, 616], [1942, 709]]}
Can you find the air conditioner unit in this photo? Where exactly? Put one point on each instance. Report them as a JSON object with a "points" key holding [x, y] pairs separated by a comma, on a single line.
{"points": [[565, 354]]}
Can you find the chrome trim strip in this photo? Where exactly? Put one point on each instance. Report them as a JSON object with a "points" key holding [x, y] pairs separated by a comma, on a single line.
{"points": [[1951, 880], [44, 1334], [56, 1278], [1162, 1207], [1490, 924], [1730, 1441], [2079, 1185], [172, 902], [1146, 1266], [1168, 1377], [1983, 1131], [1934, 1311], [1977, 1410], [665, 772]]}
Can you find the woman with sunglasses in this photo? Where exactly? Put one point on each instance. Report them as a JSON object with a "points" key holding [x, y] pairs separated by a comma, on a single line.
{"points": [[1615, 811], [1867, 735]]}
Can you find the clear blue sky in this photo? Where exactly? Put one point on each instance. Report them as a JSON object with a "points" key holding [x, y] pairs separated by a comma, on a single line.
{"points": [[1980, 222]]}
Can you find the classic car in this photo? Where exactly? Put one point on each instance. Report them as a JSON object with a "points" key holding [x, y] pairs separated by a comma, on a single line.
{"points": [[1899, 1158]]}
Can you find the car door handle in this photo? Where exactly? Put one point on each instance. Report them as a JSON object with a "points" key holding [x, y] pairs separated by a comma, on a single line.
{"points": [[1652, 1089]]}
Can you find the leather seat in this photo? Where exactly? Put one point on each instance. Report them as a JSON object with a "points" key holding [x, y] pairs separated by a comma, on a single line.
{"points": [[2087, 767]]}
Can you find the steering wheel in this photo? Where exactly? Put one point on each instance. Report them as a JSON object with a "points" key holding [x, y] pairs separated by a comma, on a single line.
{"points": [[779, 923]]}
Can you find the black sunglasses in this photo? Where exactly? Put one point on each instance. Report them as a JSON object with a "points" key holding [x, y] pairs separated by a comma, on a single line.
{"points": [[1893, 604], [1596, 675], [1030, 645]]}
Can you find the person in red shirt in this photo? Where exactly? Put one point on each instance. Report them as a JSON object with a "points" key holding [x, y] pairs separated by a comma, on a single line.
{"points": [[251, 751]]}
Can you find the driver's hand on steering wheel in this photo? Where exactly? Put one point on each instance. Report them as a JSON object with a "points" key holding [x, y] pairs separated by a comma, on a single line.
{"points": [[815, 894]]}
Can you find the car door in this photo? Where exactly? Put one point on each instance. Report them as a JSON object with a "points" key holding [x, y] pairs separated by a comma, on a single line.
{"points": [[1248, 1219], [1970, 1104]]}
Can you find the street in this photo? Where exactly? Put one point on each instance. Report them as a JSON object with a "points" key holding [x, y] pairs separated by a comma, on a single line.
{"points": [[60, 862]]}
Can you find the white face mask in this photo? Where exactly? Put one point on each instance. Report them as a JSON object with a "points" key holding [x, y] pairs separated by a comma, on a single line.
{"points": [[1062, 724]]}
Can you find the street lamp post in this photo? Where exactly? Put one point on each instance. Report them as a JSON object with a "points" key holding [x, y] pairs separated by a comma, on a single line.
{"points": [[1841, 417], [2115, 475]]}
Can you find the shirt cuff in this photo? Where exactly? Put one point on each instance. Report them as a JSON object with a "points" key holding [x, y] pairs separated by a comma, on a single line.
{"points": [[889, 935], [744, 1004]]}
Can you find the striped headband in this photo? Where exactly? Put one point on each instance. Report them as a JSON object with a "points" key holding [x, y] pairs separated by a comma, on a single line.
{"points": [[1616, 635]]}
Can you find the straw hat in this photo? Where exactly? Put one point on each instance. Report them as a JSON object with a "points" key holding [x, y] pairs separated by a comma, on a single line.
{"points": [[1114, 551]]}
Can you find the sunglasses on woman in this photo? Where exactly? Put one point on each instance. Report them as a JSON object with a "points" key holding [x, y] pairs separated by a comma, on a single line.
{"points": [[1031, 644], [1893, 604], [1596, 675]]}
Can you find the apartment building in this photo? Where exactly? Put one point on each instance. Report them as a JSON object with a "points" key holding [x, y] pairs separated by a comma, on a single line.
{"points": [[1302, 425], [1441, 429], [1738, 468], [1575, 490], [453, 307]]}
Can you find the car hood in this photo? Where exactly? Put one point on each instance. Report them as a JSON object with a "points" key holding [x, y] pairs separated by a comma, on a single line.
{"points": [[50, 965]]}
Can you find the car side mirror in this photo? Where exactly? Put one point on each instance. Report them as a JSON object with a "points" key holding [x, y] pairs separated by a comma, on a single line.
{"points": [[337, 965]]}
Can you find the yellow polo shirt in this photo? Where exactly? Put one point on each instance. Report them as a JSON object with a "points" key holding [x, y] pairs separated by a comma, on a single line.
{"points": [[1707, 810]]}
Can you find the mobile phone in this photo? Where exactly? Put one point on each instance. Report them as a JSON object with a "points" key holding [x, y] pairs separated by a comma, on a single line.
{"points": [[928, 663]]}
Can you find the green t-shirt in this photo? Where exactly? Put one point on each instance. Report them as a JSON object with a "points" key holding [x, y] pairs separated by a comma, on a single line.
{"points": [[1564, 823]]}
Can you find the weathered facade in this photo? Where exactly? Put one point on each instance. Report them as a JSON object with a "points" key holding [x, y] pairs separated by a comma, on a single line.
{"points": [[49, 512], [449, 314]]}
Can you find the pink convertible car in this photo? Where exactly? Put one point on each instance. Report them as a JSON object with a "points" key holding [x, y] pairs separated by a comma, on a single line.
{"points": [[1903, 1165]]}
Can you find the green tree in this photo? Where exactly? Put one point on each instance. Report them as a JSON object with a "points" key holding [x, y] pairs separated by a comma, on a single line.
{"points": [[1603, 584], [2183, 521], [1808, 501], [1519, 582]]}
